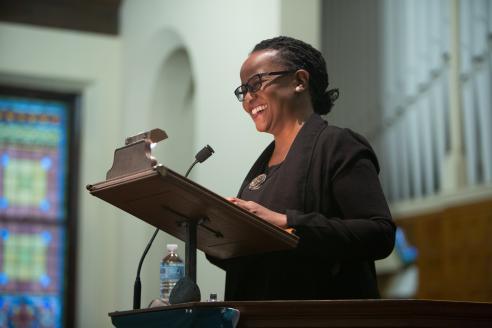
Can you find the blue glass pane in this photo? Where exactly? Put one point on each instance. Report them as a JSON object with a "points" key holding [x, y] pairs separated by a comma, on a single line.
{"points": [[33, 163], [33, 171], [33, 311], [31, 258]]}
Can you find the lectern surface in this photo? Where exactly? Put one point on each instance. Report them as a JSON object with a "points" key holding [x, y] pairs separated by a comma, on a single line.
{"points": [[343, 313], [165, 199]]}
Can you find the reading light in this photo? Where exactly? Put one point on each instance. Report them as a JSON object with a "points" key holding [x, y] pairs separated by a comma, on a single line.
{"points": [[153, 136], [136, 155]]}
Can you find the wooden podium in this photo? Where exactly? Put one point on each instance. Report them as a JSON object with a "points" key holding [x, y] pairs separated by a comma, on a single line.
{"points": [[186, 210], [173, 203], [346, 313], [167, 200]]}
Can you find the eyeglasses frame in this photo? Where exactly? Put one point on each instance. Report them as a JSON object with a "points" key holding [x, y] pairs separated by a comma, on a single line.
{"points": [[238, 93]]}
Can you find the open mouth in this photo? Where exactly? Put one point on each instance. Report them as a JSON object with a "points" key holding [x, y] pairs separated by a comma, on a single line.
{"points": [[258, 109]]}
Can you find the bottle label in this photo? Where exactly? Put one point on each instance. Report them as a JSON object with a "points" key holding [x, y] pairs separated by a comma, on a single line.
{"points": [[172, 271]]}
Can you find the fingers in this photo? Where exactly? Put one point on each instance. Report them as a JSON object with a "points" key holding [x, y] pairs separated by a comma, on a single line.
{"points": [[236, 201], [262, 212], [247, 205]]}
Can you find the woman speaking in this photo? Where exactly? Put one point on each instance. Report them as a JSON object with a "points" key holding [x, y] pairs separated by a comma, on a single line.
{"points": [[315, 178]]}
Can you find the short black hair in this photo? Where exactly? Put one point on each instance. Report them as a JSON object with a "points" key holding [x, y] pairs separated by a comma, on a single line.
{"points": [[297, 54]]}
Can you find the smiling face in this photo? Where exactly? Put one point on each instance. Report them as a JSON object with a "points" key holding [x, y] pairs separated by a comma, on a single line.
{"points": [[272, 106]]}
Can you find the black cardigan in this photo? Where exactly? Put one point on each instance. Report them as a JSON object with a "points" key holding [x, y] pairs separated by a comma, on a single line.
{"points": [[329, 189]]}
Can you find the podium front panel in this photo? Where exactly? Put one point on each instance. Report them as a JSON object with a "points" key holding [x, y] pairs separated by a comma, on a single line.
{"points": [[339, 313], [165, 200]]}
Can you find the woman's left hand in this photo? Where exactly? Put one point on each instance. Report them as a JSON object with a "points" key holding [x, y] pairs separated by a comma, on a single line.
{"points": [[275, 218]]}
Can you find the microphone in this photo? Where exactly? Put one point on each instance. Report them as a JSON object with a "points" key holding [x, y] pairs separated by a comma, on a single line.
{"points": [[204, 154], [200, 157]]}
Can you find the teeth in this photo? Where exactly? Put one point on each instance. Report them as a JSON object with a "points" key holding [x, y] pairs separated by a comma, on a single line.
{"points": [[258, 109]]}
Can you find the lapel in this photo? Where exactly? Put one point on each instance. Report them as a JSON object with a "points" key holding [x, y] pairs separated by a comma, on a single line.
{"points": [[258, 166], [295, 168]]}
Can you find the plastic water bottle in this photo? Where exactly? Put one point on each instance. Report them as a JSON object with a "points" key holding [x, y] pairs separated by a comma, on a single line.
{"points": [[172, 269]]}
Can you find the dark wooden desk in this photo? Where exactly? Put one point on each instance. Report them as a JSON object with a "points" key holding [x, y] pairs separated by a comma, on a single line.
{"points": [[346, 313]]}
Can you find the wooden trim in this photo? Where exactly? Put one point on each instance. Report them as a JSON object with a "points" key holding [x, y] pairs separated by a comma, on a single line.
{"points": [[337, 313], [72, 205], [454, 251], [99, 16]]}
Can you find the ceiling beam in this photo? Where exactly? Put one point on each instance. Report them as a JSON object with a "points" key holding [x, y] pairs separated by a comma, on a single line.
{"points": [[98, 16]]}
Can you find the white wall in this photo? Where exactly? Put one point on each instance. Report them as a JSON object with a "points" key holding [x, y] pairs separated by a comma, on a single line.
{"points": [[89, 64], [132, 83], [216, 37], [302, 20], [351, 49]]}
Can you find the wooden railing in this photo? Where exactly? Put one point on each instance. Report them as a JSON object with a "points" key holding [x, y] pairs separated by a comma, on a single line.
{"points": [[455, 251]]}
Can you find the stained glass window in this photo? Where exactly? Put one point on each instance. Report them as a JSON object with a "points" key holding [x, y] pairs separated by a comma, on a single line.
{"points": [[34, 134]]}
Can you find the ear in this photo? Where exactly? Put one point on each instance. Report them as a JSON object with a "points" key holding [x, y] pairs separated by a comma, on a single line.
{"points": [[301, 80]]}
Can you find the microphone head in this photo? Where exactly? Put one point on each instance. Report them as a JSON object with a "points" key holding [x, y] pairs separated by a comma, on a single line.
{"points": [[203, 154]]}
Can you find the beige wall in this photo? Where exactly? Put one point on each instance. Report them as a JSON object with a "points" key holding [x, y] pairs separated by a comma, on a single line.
{"points": [[174, 66], [302, 20], [214, 38], [90, 65]]}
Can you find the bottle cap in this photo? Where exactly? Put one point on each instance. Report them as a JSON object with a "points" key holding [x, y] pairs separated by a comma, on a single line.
{"points": [[171, 247]]}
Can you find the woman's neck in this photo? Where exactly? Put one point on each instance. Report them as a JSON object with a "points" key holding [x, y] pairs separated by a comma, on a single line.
{"points": [[285, 138]]}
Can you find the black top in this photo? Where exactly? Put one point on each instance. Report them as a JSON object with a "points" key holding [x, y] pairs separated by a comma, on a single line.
{"points": [[255, 192], [329, 189]]}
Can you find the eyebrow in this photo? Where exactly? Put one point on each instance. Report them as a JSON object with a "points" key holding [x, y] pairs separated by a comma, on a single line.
{"points": [[250, 77]]}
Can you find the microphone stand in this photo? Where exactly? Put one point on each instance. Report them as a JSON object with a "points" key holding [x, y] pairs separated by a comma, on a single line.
{"points": [[200, 157], [137, 287]]}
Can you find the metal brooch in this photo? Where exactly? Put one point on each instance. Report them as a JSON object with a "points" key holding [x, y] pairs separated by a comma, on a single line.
{"points": [[256, 183]]}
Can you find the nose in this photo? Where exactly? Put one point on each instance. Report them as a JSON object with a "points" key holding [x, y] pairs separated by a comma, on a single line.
{"points": [[248, 96]]}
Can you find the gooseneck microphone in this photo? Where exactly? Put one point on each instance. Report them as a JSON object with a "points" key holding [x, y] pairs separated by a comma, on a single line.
{"points": [[137, 287], [200, 157]]}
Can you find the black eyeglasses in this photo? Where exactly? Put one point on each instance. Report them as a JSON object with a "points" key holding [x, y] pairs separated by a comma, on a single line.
{"points": [[255, 82]]}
